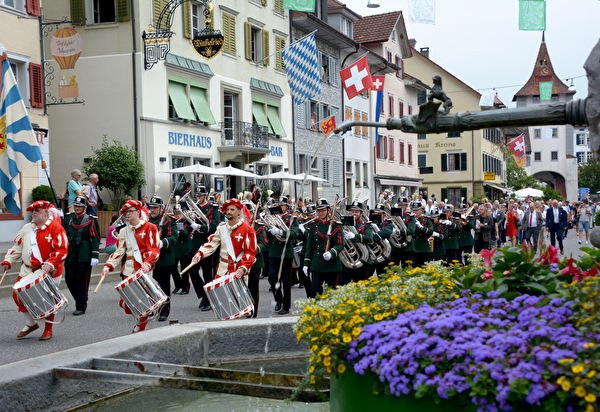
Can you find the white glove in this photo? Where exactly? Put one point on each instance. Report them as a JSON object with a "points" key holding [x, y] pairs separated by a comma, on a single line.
{"points": [[94, 262], [394, 231], [447, 222], [276, 232], [419, 225], [349, 236], [61, 213], [161, 245], [305, 270], [302, 228], [195, 226], [435, 234], [327, 255]]}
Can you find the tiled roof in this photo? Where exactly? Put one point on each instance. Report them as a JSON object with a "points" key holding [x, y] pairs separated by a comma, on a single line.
{"points": [[543, 72], [375, 28]]}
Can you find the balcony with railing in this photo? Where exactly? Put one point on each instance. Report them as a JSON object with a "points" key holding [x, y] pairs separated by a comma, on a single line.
{"points": [[248, 140]]}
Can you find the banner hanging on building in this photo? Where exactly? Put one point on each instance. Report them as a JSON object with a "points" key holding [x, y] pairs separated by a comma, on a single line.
{"points": [[356, 78], [300, 5], [532, 15], [517, 146]]}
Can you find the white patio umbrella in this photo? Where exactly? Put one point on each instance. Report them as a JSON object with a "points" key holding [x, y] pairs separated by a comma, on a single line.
{"points": [[233, 171], [198, 168], [529, 191], [281, 175], [310, 178]]}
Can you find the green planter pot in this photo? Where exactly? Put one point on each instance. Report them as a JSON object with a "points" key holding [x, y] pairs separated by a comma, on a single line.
{"points": [[351, 392]]}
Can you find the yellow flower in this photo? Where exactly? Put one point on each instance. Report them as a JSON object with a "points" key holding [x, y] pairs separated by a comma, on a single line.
{"points": [[341, 368], [589, 345], [566, 360], [577, 368], [590, 397], [347, 339], [335, 331], [580, 391], [566, 386], [326, 351], [591, 374], [311, 369], [560, 380]]}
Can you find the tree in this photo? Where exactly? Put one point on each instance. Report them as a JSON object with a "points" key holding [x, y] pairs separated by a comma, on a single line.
{"points": [[119, 169], [589, 175], [517, 178]]}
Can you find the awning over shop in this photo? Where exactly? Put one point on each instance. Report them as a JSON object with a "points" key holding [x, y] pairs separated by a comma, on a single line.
{"points": [[398, 182], [180, 101], [273, 116], [198, 96], [258, 111], [496, 186]]}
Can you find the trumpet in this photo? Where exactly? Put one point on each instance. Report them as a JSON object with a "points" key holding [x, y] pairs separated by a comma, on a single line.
{"points": [[193, 214], [465, 217]]}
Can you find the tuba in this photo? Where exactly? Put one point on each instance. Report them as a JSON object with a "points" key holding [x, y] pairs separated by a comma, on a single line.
{"points": [[193, 214], [379, 250], [401, 238], [354, 255], [273, 220]]}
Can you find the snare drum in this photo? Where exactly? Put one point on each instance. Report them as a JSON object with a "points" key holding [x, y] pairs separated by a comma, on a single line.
{"points": [[296, 262], [40, 294], [142, 294], [229, 297]]}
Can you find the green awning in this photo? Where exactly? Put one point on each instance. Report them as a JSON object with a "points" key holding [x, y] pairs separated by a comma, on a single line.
{"points": [[273, 115], [258, 110], [180, 101], [200, 103]]}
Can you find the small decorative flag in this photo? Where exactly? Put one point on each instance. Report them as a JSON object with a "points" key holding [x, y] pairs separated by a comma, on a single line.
{"points": [[546, 90], [356, 78], [328, 125], [378, 84], [422, 11], [532, 15], [517, 146], [300, 5], [301, 61]]}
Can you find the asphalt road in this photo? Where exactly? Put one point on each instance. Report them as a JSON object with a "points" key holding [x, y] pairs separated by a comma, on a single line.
{"points": [[105, 320]]}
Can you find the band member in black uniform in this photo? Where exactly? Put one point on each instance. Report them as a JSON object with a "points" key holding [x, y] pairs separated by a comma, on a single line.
{"points": [[451, 238], [386, 230], [364, 234], [437, 236], [400, 255], [465, 237], [424, 229], [304, 227]]}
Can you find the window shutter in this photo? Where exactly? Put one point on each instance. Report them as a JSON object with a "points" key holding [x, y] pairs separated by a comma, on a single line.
{"points": [[266, 49], [301, 116], [444, 162], [392, 143], [78, 12], [334, 71], [264, 3], [36, 84], [279, 45], [187, 20], [33, 7], [248, 40], [278, 6], [463, 161], [157, 7], [229, 33], [123, 10], [444, 193]]}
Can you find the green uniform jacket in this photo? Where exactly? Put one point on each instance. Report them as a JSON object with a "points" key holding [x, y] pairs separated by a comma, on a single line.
{"points": [[409, 221], [184, 241], [315, 247], [89, 243], [304, 237], [451, 237], [200, 236], [168, 239], [465, 237], [386, 228], [276, 246], [439, 248], [261, 244], [420, 239]]}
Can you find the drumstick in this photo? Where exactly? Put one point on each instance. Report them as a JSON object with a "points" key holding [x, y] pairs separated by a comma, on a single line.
{"points": [[2, 279], [188, 267], [99, 283]]}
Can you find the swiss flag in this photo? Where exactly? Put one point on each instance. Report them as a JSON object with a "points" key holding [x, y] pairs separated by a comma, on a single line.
{"points": [[378, 82], [517, 145], [356, 78]]}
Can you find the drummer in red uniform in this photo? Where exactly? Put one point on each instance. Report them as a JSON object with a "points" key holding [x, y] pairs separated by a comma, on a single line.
{"points": [[40, 244], [140, 242], [237, 240]]}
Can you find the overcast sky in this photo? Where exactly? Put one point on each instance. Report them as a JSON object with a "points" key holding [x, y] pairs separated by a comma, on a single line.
{"points": [[479, 41]]}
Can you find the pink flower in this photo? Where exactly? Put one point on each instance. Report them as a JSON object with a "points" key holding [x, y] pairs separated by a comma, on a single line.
{"points": [[549, 256], [570, 269], [487, 275], [487, 257]]}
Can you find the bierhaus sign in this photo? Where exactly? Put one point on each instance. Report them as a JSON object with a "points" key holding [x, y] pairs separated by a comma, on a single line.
{"points": [[208, 45]]}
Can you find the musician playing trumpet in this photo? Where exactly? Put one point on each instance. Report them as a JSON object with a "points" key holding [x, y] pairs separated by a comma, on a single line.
{"points": [[324, 243], [364, 234], [281, 254]]}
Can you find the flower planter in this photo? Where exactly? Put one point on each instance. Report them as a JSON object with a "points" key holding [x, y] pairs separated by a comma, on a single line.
{"points": [[351, 392]]}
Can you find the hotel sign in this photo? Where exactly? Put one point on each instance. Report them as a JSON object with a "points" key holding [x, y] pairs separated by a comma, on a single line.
{"points": [[489, 176], [208, 45]]}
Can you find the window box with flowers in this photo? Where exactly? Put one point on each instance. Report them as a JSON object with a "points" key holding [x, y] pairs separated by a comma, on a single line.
{"points": [[511, 331]]}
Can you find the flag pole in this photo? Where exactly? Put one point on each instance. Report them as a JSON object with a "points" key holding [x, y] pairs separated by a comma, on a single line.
{"points": [[279, 51], [50, 182]]}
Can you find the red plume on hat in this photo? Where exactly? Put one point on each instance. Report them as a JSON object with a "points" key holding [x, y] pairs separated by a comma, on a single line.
{"points": [[39, 204], [135, 204]]}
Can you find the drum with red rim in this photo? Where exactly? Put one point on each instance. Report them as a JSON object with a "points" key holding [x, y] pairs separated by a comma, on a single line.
{"points": [[229, 297], [142, 294], [40, 294]]}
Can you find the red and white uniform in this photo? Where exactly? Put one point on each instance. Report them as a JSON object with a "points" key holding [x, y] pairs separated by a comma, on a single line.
{"points": [[148, 241], [52, 242], [243, 240]]}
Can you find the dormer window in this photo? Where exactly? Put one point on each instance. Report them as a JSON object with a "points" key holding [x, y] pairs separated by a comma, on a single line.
{"points": [[346, 27]]}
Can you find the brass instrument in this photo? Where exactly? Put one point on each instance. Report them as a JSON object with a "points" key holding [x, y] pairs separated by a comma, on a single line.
{"points": [[354, 255], [193, 214], [465, 216], [431, 241], [276, 221], [401, 238], [379, 250]]}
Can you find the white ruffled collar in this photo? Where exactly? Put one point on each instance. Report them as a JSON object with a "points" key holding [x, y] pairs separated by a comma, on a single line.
{"points": [[238, 224], [139, 225]]}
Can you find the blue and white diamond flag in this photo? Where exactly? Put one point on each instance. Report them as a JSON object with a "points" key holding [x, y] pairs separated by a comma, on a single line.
{"points": [[302, 66]]}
